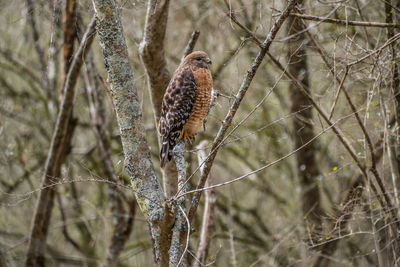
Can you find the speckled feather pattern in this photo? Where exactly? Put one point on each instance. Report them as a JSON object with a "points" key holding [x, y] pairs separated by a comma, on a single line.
{"points": [[185, 104]]}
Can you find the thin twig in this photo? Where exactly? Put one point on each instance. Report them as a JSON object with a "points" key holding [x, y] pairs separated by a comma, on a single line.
{"points": [[323, 114], [64, 224], [378, 50], [373, 169], [346, 22], [208, 214], [38, 48], [261, 168], [187, 235], [338, 92]]}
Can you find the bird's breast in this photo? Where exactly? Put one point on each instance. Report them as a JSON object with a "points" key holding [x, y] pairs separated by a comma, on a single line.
{"points": [[199, 111]]}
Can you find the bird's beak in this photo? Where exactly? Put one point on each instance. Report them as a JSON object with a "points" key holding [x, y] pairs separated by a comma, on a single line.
{"points": [[208, 60]]}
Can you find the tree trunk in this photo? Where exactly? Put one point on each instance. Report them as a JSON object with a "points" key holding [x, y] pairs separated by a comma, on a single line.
{"points": [[303, 131], [138, 161]]}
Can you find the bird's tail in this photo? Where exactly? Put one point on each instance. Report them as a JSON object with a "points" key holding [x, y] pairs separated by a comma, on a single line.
{"points": [[164, 153]]}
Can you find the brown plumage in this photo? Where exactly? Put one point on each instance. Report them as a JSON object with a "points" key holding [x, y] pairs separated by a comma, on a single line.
{"points": [[185, 103]]}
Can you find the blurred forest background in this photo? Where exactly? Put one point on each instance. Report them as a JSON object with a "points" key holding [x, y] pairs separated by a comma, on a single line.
{"points": [[315, 142]]}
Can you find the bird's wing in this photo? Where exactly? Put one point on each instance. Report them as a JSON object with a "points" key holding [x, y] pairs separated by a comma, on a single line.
{"points": [[177, 103]]}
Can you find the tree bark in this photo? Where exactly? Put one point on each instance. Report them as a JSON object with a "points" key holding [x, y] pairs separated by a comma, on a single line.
{"points": [[138, 162], [69, 36]]}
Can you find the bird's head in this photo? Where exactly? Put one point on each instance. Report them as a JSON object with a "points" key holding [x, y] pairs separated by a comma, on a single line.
{"points": [[199, 59]]}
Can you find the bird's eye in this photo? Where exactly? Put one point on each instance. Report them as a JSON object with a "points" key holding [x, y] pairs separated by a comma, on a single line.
{"points": [[198, 59]]}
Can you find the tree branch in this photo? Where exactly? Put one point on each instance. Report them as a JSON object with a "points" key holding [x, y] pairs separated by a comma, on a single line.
{"points": [[152, 52], [192, 42], [70, 18], [38, 48], [138, 162], [238, 99], [41, 221], [325, 116], [208, 214], [347, 22], [348, 204]]}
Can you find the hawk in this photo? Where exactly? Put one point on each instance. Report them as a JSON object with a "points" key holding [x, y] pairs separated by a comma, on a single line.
{"points": [[185, 103]]}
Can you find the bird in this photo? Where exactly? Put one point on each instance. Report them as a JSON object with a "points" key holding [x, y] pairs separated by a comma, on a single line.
{"points": [[185, 103]]}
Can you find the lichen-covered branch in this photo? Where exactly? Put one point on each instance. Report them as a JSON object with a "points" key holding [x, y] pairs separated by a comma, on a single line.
{"points": [[122, 218], [179, 230], [138, 162]]}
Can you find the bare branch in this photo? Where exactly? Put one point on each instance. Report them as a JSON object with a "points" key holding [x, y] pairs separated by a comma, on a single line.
{"points": [[208, 214], [348, 205], [338, 91], [152, 52], [325, 116], [66, 234], [192, 42], [70, 18], [38, 48], [55, 156], [347, 22]]}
